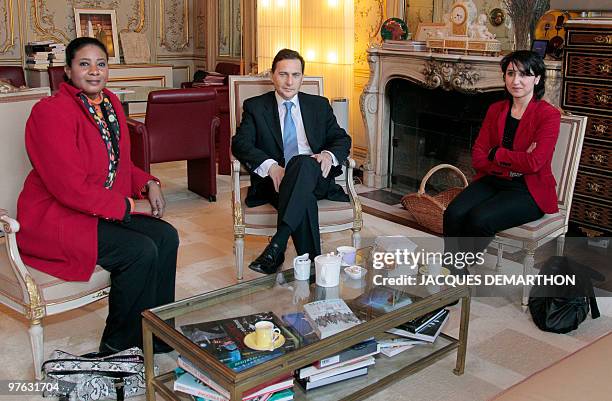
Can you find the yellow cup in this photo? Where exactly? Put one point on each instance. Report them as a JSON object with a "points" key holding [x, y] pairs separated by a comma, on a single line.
{"points": [[266, 334]]}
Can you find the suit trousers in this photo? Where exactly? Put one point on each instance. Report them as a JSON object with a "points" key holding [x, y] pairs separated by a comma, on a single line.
{"points": [[296, 202], [486, 207], [141, 257]]}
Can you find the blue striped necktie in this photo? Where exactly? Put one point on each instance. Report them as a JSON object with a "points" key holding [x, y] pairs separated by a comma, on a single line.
{"points": [[290, 146]]}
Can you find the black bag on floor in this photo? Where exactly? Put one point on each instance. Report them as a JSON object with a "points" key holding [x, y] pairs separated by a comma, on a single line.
{"points": [[561, 309]]}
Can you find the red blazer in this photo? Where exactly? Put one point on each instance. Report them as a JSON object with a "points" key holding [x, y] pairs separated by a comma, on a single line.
{"points": [[540, 123], [64, 195]]}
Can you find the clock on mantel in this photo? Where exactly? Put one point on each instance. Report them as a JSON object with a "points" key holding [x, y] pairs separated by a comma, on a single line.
{"points": [[465, 31], [459, 19]]}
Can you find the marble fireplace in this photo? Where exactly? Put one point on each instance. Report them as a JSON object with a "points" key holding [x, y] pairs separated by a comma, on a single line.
{"points": [[412, 98]]}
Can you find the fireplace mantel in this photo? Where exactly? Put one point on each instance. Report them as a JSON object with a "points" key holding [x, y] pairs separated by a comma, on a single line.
{"points": [[451, 72]]}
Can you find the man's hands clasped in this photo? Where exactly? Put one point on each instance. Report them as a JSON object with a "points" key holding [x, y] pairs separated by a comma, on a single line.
{"points": [[325, 160], [277, 173]]}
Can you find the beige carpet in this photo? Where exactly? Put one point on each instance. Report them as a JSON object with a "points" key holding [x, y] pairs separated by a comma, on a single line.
{"points": [[504, 345]]}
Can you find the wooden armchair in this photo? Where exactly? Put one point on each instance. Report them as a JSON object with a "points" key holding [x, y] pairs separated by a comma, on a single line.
{"points": [[261, 220], [531, 236], [24, 289]]}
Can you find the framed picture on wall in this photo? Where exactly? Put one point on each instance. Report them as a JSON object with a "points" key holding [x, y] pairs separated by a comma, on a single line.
{"points": [[99, 24], [539, 46]]}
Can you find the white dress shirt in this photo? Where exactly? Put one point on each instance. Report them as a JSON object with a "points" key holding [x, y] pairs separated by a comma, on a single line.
{"points": [[302, 140]]}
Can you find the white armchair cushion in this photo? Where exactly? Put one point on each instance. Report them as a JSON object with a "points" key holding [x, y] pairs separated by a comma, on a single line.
{"points": [[57, 290], [534, 230], [331, 213], [53, 289]]}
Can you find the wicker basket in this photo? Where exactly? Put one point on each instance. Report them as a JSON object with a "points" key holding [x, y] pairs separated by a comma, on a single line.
{"points": [[428, 210]]}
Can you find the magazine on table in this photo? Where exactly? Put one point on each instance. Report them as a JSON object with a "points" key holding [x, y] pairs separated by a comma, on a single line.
{"points": [[330, 316], [224, 339], [299, 325]]}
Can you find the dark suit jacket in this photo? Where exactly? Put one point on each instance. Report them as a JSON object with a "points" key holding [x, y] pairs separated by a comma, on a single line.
{"points": [[259, 138], [540, 123]]}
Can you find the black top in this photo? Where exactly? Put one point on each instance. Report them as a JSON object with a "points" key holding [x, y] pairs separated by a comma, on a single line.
{"points": [[510, 130]]}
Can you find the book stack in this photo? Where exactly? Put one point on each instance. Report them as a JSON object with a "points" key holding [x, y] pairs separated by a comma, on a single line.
{"points": [[330, 316], [42, 54], [313, 376], [405, 45], [224, 339], [58, 54], [191, 380], [426, 328]]}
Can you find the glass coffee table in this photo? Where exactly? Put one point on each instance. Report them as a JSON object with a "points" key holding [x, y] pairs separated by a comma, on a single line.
{"points": [[281, 294]]}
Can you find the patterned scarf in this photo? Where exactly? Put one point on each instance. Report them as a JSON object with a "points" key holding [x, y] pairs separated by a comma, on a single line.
{"points": [[105, 117]]}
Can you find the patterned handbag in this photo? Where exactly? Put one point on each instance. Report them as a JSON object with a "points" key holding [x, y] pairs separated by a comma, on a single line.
{"points": [[96, 376]]}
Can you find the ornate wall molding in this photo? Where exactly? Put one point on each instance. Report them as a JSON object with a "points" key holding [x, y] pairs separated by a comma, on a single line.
{"points": [[9, 27], [369, 14], [44, 23], [171, 39], [200, 25], [138, 18]]}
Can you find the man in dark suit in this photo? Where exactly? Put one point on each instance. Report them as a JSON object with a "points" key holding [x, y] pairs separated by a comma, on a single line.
{"points": [[292, 145]]}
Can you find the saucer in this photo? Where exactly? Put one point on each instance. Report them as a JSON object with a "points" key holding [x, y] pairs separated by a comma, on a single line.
{"points": [[355, 272], [250, 341]]}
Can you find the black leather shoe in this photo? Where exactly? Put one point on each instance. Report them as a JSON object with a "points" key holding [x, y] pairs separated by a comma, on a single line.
{"points": [[270, 260]]}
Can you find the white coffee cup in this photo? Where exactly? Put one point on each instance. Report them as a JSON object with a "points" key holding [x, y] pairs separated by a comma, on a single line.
{"points": [[348, 254], [301, 267], [266, 334]]}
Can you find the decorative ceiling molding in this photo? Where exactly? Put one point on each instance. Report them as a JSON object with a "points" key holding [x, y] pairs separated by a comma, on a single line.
{"points": [[171, 41], [9, 27]]}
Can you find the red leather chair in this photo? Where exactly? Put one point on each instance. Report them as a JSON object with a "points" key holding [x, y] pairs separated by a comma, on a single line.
{"points": [[180, 124], [224, 139], [14, 74], [227, 68], [56, 76]]}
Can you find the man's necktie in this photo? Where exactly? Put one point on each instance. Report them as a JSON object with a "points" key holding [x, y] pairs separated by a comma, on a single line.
{"points": [[290, 146]]}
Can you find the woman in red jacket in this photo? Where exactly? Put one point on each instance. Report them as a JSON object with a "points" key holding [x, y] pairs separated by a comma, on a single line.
{"points": [[512, 156], [85, 203]]}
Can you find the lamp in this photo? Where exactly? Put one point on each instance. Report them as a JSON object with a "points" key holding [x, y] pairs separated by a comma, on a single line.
{"points": [[321, 30], [278, 27]]}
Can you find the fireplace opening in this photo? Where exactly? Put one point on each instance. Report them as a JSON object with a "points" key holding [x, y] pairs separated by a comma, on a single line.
{"points": [[430, 127]]}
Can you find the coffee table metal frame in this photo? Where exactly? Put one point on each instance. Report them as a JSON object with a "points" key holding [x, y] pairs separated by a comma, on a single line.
{"points": [[237, 383]]}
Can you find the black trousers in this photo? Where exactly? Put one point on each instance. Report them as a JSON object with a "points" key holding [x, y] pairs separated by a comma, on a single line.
{"points": [[141, 257], [296, 202], [484, 208]]}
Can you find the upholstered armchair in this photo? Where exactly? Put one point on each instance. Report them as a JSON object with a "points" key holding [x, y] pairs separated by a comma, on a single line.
{"points": [[14, 74], [30, 292], [180, 124], [261, 220], [529, 237]]}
